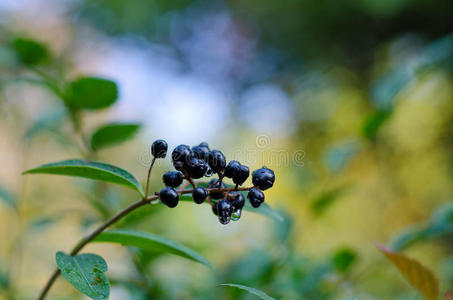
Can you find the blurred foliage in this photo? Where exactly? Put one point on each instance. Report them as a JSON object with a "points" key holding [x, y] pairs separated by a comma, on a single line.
{"points": [[370, 87]]}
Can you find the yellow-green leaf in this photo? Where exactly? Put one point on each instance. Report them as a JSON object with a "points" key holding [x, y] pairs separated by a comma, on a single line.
{"points": [[418, 275]]}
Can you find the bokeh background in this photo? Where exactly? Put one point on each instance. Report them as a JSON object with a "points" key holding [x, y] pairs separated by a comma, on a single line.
{"points": [[350, 102]]}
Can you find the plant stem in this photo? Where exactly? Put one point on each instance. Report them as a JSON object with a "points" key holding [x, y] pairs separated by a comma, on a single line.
{"points": [[113, 220], [149, 176]]}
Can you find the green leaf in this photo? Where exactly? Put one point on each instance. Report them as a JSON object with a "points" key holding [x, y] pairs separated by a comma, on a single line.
{"points": [[264, 210], [91, 93], [7, 197], [90, 170], [251, 290], [112, 134], [326, 199], [150, 241], [441, 224], [86, 273], [29, 51], [343, 259], [374, 123]]}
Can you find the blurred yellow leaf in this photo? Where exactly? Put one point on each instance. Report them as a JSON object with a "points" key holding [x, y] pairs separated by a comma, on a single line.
{"points": [[419, 276], [448, 296]]}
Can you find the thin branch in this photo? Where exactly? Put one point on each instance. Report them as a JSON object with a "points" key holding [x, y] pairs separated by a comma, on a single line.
{"points": [[113, 220], [149, 176]]}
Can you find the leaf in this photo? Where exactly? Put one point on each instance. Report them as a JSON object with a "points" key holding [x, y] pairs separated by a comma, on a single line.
{"points": [[7, 197], [338, 155], [448, 295], [418, 275], [91, 93], [86, 273], [29, 51], [112, 134], [264, 210], [325, 200], [90, 170], [441, 224], [343, 259], [150, 241], [374, 122], [251, 290]]}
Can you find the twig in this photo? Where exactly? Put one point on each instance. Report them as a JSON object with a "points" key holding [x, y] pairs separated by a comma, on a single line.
{"points": [[149, 176], [113, 220]]}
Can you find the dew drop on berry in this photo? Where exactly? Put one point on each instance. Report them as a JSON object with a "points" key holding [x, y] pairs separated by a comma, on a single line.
{"points": [[236, 215]]}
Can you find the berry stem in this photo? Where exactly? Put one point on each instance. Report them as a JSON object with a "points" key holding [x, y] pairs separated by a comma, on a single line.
{"points": [[149, 176], [146, 200], [192, 183]]}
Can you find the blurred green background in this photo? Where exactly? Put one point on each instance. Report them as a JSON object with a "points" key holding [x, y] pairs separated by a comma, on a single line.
{"points": [[350, 102]]}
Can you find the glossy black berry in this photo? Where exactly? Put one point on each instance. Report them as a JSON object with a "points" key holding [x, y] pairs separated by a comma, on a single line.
{"points": [[201, 151], [241, 175], [225, 209], [204, 144], [256, 197], [180, 156], [263, 178], [199, 195], [172, 178], [196, 168], [215, 209], [159, 149], [216, 161], [237, 200], [169, 197], [232, 168], [214, 194]]}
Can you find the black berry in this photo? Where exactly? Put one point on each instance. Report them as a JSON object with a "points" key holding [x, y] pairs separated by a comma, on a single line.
{"points": [[201, 151], [180, 156], [263, 178], [237, 200], [169, 197], [214, 194], [172, 178], [199, 195], [159, 149], [216, 161], [232, 168], [196, 168], [204, 144], [225, 209], [215, 209], [242, 173], [256, 197]]}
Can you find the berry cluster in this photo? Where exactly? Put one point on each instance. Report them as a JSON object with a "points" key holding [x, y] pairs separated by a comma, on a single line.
{"points": [[199, 161]]}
